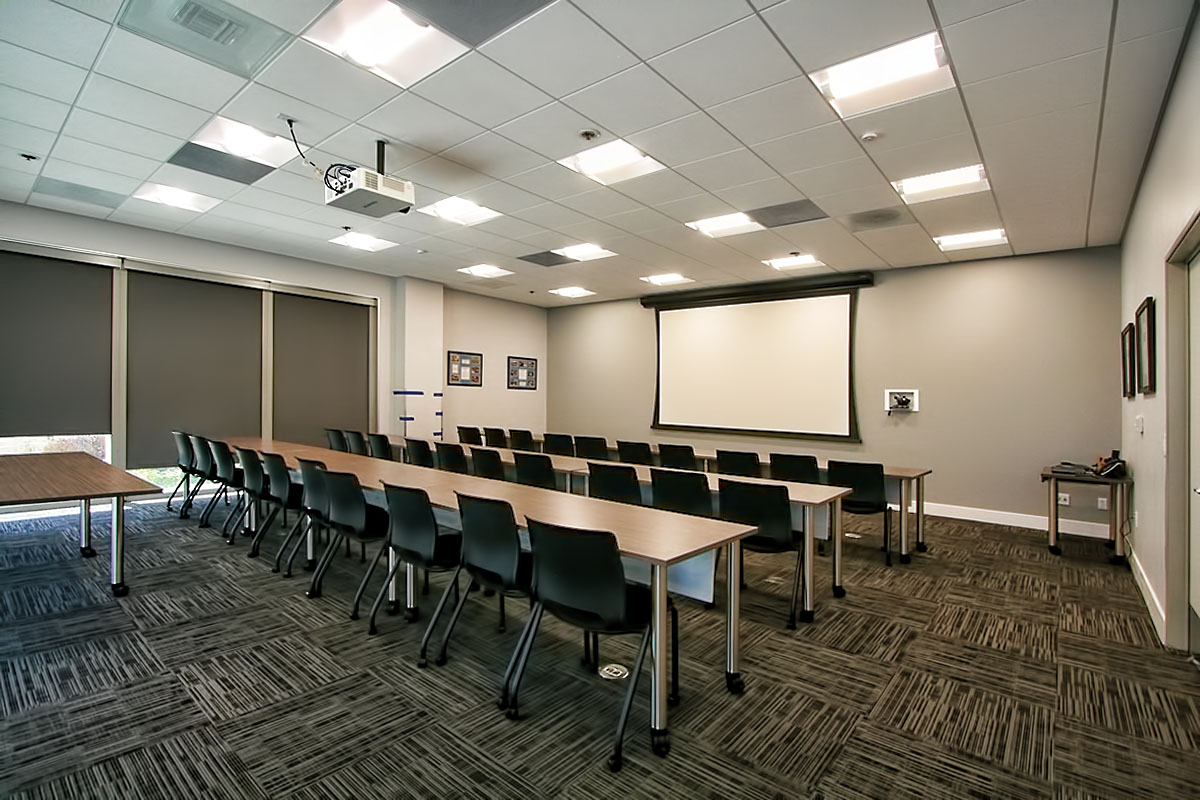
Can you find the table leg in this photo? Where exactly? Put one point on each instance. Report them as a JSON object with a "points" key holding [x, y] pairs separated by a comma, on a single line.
{"points": [[1052, 515], [810, 553], [733, 610], [410, 592], [1116, 511], [660, 740], [310, 555], [85, 529], [835, 520], [905, 498], [920, 548], [119, 589]]}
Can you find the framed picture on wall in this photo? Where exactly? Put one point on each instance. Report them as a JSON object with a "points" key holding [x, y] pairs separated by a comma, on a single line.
{"points": [[522, 372], [1128, 361], [464, 369], [1145, 346]]}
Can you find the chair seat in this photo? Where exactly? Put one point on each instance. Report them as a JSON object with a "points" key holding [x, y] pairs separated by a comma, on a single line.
{"points": [[524, 577], [638, 609], [447, 552], [859, 507], [763, 544], [376, 527]]}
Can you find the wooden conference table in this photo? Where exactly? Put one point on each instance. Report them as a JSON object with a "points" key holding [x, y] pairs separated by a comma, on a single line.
{"points": [[49, 477], [660, 538]]}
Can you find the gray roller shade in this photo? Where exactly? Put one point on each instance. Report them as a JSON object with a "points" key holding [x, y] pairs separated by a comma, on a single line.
{"points": [[195, 363], [55, 346], [321, 367]]}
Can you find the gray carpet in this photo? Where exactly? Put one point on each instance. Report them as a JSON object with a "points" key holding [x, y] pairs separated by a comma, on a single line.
{"points": [[986, 668]]}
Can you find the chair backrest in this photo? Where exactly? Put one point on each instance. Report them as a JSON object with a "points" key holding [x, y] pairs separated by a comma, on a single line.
{"points": [[469, 435], [521, 440], [559, 444], [185, 458], [279, 480], [685, 492], [535, 469], [491, 544], [356, 443], [764, 505], [223, 463], [577, 574], [316, 498], [677, 456], [347, 506], [634, 452], [202, 456], [418, 453], [614, 482], [379, 446], [593, 447], [495, 437], [487, 463], [795, 468], [253, 477], [451, 457], [867, 481], [738, 462], [412, 528], [337, 440]]}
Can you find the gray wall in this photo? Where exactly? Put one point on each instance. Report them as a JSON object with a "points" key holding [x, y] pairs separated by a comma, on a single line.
{"points": [[1017, 361]]}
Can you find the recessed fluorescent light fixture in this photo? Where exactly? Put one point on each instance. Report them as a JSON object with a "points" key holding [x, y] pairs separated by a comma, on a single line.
{"points": [[939, 185], [244, 141], [901, 72], [362, 241], [178, 198], [966, 241], [463, 212], [667, 279], [486, 271], [378, 36], [571, 291], [727, 225], [612, 162], [797, 261], [584, 252]]}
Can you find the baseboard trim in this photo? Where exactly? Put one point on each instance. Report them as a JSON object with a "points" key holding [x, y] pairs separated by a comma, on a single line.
{"points": [[1096, 530], [1158, 614]]}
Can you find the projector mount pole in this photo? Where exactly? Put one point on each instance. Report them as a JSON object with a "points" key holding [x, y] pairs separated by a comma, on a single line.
{"points": [[379, 143]]}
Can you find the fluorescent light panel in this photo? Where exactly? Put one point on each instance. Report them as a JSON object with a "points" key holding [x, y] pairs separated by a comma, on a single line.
{"points": [[459, 210], [571, 291], [794, 262], [727, 225], [584, 252], [486, 271], [940, 185], [967, 241], [244, 141], [177, 198], [612, 162], [892, 75], [362, 241], [667, 279]]}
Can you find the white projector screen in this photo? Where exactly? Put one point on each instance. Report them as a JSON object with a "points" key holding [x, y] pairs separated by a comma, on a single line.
{"points": [[780, 366]]}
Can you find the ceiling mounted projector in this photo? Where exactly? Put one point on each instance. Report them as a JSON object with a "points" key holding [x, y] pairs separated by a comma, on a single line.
{"points": [[372, 194]]}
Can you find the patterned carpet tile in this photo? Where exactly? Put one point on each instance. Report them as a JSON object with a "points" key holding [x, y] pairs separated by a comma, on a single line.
{"points": [[891, 604], [33, 634], [1103, 763], [1167, 669], [195, 640], [1017, 676], [1131, 708], [916, 585], [827, 674], [22, 553], [183, 602], [1116, 626], [859, 634], [1015, 582], [999, 631], [999, 601]]}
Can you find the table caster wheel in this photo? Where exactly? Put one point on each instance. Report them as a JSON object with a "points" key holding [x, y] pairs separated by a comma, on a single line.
{"points": [[660, 742], [1117, 560], [614, 763], [310, 565], [1056, 550], [119, 590], [839, 591], [87, 552], [734, 682], [920, 547], [905, 558], [412, 614], [806, 616]]}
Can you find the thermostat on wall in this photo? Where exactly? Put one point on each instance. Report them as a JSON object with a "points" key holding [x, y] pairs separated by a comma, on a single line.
{"points": [[900, 400]]}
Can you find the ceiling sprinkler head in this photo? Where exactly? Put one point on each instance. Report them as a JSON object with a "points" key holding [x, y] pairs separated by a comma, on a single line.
{"points": [[587, 134], [869, 136]]}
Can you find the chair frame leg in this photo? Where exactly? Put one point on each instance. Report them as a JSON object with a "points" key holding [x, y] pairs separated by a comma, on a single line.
{"points": [[182, 482], [261, 533], [314, 587], [502, 627], [211, 505], [458, 607], [791, 625], [887, 536], [433, 620], [234, 517], [191, 498], [673, 695], [299, 525], [366, 578], [391, 573], [315, 528], [614, 761], [535, 621], [516, 657]]}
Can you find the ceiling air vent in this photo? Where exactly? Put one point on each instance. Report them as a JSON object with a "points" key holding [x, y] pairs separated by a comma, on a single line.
{"points": [[786, 214], [877, 218], [547, 259], [208, 23]]}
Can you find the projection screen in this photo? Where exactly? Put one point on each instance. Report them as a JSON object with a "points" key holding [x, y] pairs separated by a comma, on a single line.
{"points": [[779, 366]]}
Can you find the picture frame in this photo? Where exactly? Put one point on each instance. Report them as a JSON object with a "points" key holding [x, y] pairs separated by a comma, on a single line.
{"points": [[1144, 324], [464, 369], [1128, 361], [522, 372]]}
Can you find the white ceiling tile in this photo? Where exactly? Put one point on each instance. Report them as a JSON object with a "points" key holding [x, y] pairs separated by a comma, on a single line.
{"points": [[630, 101], [69, 206], [728, 169], [34, 72], [482, 239], [715, 67], [1038, 90], [924, 158], [510, 228], [503, 197], [553, 181], [1111, 200], [968, 212], [115, 99], [856, 173], [652, 28], [776, 111], [90, 176], [641, 220], [852, 201], [760, 194], [826, 144], [102, 9], [198, 182], [552, 215], [593, 230], [445, 176], [659, 187], [300, 187], [141, 62], [277, 222], [601, 202], [559, 50], [15, 185], [272, 201], [1136, 18], [952, 11], [831, 243], [980, 253], [553, 131], [700, 206], [419, 122], [931, 117], [550, 240], [1025, 35], [317, 76], [494, 155], [1049, 219], [1055, 149], [12, 160], [32, 109], [293, 16], [481, 90], [824, 32], [78, 151], [262, 108], [684, 140], [144, 213], [356, 145], [120, 135], [903, 245], [25, 138], [760, 245], [52, 30]]}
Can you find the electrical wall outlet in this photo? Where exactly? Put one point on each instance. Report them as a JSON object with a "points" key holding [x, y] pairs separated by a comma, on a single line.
{"points": [[1102, 503], [1064, 499]]}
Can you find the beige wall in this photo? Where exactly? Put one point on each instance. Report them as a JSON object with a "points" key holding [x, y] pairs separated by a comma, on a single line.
{"points": [[1017, 361]]}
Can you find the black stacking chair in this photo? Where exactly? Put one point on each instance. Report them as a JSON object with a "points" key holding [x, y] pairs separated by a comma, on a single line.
{"points": [[281, 495], [591, 447], [766, 506], [869, 495], [230, 477], [579, 578], [534, 469], [202, 462], [186, 461], [487, 463], [684, 492], [451, 457], [495, 437], [254, 485], [634, 452], [492, 557], [379, 446], [224, 473], [614, 482], [558, 444], [356, 443], [315, 502], [350, 518], [469, 435], [337, 440], [795, 468], [416, 538], [737, 462], [677, 456], [521, 440], [418, 452]]}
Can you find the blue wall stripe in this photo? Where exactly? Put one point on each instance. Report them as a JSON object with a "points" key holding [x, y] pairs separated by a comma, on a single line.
{"points": [[437, 413], [408, 391], [437, 433], [437, 394], [407, 419]]}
